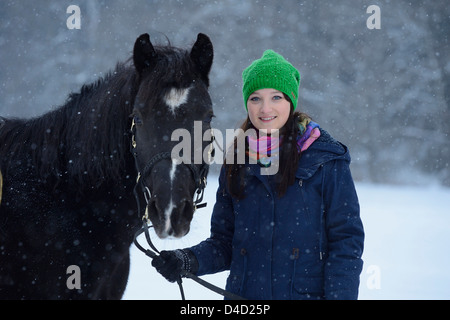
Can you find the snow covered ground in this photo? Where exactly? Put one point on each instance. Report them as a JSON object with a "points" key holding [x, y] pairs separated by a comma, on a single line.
{"points": [[406, 252]]}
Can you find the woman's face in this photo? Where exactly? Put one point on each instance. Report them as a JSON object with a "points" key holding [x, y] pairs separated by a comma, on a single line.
{"points": [[268, 109]]}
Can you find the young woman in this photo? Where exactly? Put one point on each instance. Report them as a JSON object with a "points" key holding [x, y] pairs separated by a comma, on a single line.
{"points": [[294, 234]]}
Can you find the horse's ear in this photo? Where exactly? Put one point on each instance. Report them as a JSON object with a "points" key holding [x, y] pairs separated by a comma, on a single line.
{"points": [[144, 55], [202, 55]]}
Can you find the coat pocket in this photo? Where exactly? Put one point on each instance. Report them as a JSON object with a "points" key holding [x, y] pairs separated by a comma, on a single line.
{"points": [[234, 284], [307, 278], [236, 279], [307, 288]]}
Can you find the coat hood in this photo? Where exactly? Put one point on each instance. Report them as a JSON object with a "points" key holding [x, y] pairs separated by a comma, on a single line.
{"points": [[324, 149]]}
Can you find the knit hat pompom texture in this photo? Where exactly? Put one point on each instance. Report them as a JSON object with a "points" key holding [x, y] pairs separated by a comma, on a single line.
{"points": [[273, 71]]}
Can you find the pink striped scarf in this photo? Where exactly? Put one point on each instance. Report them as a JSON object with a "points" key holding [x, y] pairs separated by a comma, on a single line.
{"points": [[263, 150]]}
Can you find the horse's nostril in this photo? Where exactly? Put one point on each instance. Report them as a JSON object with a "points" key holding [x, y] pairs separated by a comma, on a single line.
{"points": [[187, 210]]}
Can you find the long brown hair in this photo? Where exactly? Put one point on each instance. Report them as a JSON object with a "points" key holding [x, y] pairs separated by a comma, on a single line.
{"points": [[289, 157]]}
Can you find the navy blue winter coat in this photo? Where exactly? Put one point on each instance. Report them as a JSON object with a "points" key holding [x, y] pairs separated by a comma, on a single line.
{"points": [[304, 245]]}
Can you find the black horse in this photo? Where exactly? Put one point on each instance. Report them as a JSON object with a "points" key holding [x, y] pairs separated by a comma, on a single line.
{"points": [[68, 176]]}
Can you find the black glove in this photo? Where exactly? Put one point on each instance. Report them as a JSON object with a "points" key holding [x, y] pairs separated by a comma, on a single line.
{"points": [[172, 264]]}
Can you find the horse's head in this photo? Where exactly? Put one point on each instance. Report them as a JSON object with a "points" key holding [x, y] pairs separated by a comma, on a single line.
{"points": [[172, 103]]}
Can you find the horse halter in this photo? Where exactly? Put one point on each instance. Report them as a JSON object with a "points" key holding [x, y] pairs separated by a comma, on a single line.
{"points": [[199, 175]]}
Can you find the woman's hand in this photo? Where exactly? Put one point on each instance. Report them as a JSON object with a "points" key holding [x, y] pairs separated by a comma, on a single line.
{"points": [[173, 264]]}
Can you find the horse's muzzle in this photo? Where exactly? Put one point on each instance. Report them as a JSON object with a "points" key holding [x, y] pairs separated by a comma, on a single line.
{"points": [[172, 221]]}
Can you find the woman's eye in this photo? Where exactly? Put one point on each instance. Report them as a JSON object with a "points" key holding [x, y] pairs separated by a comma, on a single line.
{"points": [[254, 99], [277, 98]]}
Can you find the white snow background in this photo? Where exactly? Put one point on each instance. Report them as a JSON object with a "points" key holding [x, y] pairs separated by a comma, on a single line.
{"points": [[406, 254]]}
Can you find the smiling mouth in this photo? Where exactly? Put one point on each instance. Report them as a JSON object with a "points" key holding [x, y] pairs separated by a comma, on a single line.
{"points": [[267, 119]]}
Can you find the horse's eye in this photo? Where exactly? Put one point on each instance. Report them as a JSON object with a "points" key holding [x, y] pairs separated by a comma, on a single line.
{"points": [[208, 118], [137, 120]]}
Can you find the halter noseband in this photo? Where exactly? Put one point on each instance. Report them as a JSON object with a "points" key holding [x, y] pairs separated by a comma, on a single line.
{"points": [[199, 175]]}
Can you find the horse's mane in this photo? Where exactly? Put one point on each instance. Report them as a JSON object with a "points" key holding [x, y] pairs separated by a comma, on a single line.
{"points": [[84, 139], [87, 139]]}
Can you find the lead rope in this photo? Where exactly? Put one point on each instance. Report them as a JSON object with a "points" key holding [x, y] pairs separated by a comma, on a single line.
{"points": [[153, 254]]}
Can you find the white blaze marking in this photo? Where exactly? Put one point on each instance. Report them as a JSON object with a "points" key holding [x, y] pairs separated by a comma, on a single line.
{"points": [[172, 171], [169, 209], [176, 97], [171, 206]]}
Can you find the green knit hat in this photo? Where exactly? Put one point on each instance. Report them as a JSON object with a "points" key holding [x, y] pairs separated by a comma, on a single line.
{"points": [[271, 71]]}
